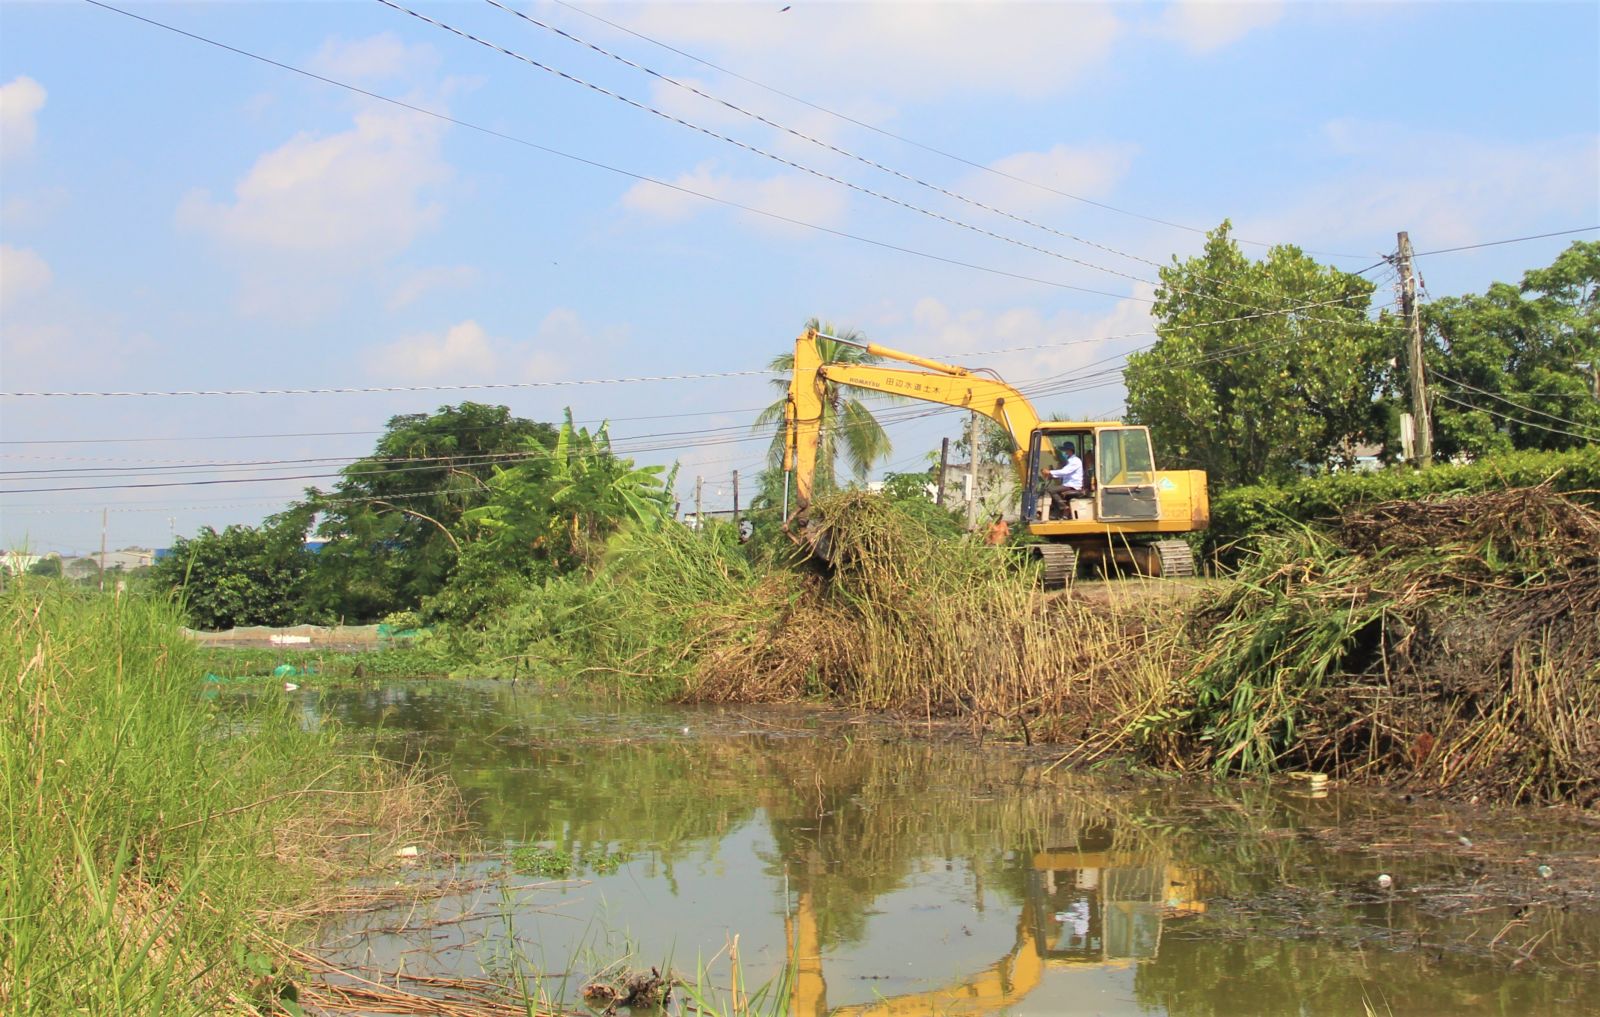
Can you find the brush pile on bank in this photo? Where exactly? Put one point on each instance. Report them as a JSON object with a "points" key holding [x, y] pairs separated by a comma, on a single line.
{"points": [[1452, 644], [904, 619]]}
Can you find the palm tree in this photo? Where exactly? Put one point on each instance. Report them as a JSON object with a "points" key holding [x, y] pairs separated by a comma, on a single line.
{"points": [[847, 425]]}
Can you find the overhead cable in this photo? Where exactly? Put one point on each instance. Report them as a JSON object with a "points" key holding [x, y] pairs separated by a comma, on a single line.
{"points": [[1513, 240], [780, 159], [1512, 403], [1514, 420], [836, 149], [912, 142], [596, 164]]}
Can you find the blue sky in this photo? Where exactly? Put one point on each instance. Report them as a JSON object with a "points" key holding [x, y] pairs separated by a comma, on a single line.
{"points": [[177, 217]]}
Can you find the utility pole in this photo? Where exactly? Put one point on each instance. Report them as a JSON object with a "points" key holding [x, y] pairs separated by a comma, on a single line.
{"points": [[1414, 363], [944, 466], [105, 515], [972, 475], [735, 501], [699, 520]]}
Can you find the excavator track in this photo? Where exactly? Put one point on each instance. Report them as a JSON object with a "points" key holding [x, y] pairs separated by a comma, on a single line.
{"points": [[1060, 565], [1177, 558]]}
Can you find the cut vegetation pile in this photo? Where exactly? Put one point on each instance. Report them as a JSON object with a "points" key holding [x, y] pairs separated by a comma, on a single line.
{"points": [[906, 620], [1453, 643]]}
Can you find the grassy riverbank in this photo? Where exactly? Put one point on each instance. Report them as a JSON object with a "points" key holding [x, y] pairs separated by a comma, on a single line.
{"points": [[156, 844]]}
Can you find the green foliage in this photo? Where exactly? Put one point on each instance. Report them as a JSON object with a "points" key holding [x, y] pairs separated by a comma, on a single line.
{"points": [[46, 568], [1247, 395], [994, 442], [909, 493], [560, 863], [1246, 512], [635, 624], [1515, 367], [244, 575], [144, 830], [848, 427], [537, 860], [393, 522], [546, 517]]}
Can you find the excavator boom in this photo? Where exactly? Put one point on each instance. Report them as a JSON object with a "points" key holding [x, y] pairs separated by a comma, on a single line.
{"points": [[937, 383]]}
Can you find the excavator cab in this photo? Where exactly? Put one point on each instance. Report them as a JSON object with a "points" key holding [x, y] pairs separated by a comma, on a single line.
{"points": [[1120, 483]]}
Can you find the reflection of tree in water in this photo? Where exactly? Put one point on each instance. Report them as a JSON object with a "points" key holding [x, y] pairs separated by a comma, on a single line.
{"points": [[534, 768]]}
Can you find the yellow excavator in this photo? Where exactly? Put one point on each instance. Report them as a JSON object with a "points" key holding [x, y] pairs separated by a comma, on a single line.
{"points": [[1085, 906], [1125, 514]]}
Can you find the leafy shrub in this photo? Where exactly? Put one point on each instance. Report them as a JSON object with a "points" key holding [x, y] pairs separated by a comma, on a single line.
{"points": [[1245, 513]]}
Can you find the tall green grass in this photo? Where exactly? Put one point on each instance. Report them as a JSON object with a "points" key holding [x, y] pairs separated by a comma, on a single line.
{"points": [[145, 831]]}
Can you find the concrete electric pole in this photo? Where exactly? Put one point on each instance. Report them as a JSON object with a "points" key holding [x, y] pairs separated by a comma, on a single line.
{"points": [[1414, 362]]}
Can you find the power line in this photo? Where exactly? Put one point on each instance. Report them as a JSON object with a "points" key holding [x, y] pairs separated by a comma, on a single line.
{"points": [[1513, 240], [781, 160], [1514, 420], [653, 442], [589, 162], [909, 141], [836, 149], [478, 387], [1512, 403], [342, 434], [746, 146], [596, 164]]}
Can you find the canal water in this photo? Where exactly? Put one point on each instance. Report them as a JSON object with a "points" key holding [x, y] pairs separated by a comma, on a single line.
{"points": [[902, 870]]}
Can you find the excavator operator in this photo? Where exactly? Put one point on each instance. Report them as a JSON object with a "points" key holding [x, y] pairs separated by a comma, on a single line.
{"points": [[1068, 477]]}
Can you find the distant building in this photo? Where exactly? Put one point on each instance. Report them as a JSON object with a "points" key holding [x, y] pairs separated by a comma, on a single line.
{"points": [[127, 559], [15, 563], [997, 489]]}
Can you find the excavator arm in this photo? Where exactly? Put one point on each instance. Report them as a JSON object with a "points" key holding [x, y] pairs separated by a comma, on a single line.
{"points": [[936, 382]]}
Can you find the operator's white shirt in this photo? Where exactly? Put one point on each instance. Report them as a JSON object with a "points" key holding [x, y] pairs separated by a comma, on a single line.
{"points": [[1071, 473]]}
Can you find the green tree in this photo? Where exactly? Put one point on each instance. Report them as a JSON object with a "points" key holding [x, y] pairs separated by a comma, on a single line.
{"points": [[848, 426], [243, 575], [393, 522], [994, 442], [1261, 368], [48, 567], [547, 515], [1513, 367]]}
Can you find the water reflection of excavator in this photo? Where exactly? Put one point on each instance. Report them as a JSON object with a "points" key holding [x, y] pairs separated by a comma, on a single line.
{"points": [[1125, 510], [1084, 906]]}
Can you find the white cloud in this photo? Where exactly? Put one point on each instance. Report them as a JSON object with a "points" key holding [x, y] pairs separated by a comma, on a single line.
{"points": [[32, 209], [1204, 26], [1058, 351], [917, 50], [462, 352], [22, 274], [374, 58], [1445, 188], [360, 193], [21, 99], [466, 354], [1089, 171], [427, 280], [798, 196], [318, 211]]}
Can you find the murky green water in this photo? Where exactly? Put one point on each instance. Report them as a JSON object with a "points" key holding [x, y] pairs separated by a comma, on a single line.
{"points": [[916, 874]]}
